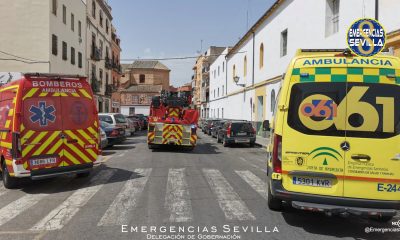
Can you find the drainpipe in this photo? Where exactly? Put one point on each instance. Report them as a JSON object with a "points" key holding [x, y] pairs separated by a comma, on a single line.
{"points": [[376, 10]]}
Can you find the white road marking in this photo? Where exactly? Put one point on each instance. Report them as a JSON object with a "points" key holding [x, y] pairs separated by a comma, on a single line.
{"points": [[253, 165], [122, 154], [255, 182], [3, 190], [61, 215], [119, 211], [229, 201], [17, 207], [177, 199]]}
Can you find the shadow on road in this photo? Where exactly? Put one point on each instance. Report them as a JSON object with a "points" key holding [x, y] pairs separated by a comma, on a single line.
{"points": [[72, 183], [335, 226], [201, 148]]}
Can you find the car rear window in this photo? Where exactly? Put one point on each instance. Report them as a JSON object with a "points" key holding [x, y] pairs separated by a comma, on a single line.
{"points": [[372, 110], [119, 118], [107, 119], [241, 127], [105, 125]]}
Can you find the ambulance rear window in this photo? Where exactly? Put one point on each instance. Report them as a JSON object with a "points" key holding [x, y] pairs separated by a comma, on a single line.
{"points": [[372, 110]]}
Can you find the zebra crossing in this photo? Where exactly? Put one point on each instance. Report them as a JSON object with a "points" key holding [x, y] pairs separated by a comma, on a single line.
{"points": [[177, 202]]}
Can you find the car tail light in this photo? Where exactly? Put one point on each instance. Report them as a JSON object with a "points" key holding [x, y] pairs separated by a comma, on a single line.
{"points": [[16, 146], [114, 133], [277, 154], [228, 131]]}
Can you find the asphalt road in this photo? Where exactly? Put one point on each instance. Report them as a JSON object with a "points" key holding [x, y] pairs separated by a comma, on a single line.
{"points": [[210, 193]]}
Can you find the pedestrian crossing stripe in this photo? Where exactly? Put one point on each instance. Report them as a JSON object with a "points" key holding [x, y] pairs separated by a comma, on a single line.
{"points": [[351, 74]]}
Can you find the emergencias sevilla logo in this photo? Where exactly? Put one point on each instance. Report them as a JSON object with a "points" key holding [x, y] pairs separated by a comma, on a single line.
{"points": [[42, 114]]}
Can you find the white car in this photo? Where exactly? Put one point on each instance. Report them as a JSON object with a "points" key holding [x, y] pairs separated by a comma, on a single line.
{"points": [[117, 120]]}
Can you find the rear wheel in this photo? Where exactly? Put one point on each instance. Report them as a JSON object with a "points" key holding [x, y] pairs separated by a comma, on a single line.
{"points": [[150, 146], [252, 144], [8, 181], [273, 203], [83, 175]]}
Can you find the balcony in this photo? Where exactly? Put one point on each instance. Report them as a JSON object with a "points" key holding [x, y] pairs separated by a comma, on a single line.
{"points": [[109, 89], [95, 84], [107, 63], [117, 67], [95, 53]]}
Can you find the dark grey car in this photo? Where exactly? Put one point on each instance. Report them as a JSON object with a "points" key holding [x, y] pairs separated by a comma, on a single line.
{"points": [[235, 132]]}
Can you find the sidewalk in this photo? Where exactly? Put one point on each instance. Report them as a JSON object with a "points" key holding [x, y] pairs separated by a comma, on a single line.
{"points": [[262, 142]]}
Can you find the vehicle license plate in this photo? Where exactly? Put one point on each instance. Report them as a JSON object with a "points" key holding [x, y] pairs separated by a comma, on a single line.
{"points": [[313, 182]]}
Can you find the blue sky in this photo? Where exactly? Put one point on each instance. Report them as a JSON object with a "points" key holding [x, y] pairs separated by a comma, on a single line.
{"points": [[175, 28]]}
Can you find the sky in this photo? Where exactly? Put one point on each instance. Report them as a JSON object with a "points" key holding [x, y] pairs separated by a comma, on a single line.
{"points": [[181, 28]]}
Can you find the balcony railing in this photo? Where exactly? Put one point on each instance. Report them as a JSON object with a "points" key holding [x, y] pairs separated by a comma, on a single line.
{"points": [[107, 63], [95, 84], [95, 53], [117, 67], [109, 89]]}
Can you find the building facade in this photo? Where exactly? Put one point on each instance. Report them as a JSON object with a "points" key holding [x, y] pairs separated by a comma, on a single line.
{"points": [[393, 42], [99, 46], [43, 36], [260, 58], [140, 81], [116, 67], [201, 80]]}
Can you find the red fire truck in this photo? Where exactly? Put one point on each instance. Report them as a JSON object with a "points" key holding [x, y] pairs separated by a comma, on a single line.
{"points": [[172, 121]]}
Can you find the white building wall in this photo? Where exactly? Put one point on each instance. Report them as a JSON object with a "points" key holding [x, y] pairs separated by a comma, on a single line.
{"points": [[26, 31], [138, 110], [64, 33], [305, 21]]}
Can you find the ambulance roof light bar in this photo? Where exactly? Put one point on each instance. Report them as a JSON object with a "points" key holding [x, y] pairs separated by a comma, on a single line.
{"points": [[53, 75]]}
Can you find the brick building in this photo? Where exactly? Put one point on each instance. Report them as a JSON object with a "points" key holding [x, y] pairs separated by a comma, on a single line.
{"points": [[140, 81]]}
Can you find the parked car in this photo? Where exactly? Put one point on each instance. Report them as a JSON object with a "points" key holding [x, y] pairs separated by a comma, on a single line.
{"points": [[143, 118], [117, 120], [206, 125], [139, 121], [234, 132], [115, 135], [103, 139], [210, 125], [131, 126], [217, 126]]}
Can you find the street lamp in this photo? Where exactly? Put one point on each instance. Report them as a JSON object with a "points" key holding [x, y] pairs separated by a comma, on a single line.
{"points": [[236, 80]]}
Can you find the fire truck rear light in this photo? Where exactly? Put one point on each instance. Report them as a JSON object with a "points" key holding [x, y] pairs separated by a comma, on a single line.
{"points": [[19, 162]]}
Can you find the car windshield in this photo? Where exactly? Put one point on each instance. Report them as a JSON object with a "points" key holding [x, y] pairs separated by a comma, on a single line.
{"points": [[241, 127]]}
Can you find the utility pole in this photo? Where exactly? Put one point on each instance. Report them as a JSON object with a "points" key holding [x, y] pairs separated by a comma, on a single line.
{"points": [[376, 10]]}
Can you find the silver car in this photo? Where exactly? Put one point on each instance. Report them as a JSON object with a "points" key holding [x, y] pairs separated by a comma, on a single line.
{"points": [[117, 120]]}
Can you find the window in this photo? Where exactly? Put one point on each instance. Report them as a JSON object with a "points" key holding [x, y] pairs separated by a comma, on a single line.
{"points": [[72, 56], [273, 100], [142, 78], [223, 67], [218, 92], [261, 55], [245, 66], [54, 7], [80, 60], [101, 75], [72, 22], [107, 26], [218, 70], [233, 72], [284, 35], [64, 14], [54, 45], [79, 28], [101, 49], [131, 111], [101, 18], [223, 90], [94, 9], [214, 93], [64, 51], [332, 17], [222, 112]]}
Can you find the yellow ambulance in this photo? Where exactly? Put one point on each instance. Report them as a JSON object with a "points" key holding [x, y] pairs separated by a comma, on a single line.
{"points": [[335, 143]]}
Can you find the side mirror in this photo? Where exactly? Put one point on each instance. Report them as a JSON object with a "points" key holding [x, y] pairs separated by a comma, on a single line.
{"points": [[266, 126]]}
